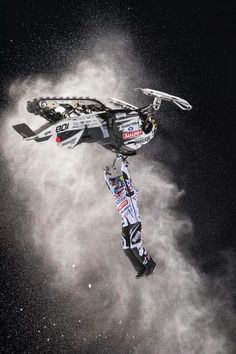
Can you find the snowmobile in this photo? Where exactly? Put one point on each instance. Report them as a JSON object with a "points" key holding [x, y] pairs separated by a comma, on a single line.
{"points": [[116, 125]]}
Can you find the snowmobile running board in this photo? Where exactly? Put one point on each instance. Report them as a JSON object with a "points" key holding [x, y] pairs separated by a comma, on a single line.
{"points": [[25, 131]]}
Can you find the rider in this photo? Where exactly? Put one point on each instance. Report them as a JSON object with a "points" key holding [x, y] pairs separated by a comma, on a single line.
{"points": [[126, 203]]}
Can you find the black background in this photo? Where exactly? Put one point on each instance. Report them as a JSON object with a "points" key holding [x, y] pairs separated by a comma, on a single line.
{"points": [[192, 50]]}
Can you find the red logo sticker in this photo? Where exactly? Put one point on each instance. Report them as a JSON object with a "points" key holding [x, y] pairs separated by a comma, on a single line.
{"points": [[123, 204], [131, 135]]}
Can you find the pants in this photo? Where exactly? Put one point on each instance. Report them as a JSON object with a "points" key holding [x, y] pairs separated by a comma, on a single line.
{"points": [[132, 245]]}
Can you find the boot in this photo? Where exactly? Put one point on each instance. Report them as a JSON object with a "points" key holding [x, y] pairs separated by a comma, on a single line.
{"points": [[150, 267], [141, 273], [138, 266]]}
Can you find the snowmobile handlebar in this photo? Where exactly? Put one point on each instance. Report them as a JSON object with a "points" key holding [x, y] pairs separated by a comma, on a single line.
{"points": [[159, 96]]}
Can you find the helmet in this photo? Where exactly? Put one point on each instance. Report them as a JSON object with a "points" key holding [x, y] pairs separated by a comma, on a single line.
{"points": [[117, 181]]}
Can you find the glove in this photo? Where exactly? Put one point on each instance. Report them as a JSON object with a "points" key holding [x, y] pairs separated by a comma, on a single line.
{"points": [[123, 158], [107, 170]]}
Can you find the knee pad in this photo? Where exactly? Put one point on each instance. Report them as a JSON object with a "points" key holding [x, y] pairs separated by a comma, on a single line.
{"points": [[125, 243]]}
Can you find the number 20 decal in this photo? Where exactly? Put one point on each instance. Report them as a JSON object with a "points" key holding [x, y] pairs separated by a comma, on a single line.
{"points": [[61, 128]]}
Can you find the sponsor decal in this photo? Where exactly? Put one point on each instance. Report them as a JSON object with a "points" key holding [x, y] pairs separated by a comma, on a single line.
{"points": [[61, 128], [122, 205], [72, 141], [145, 140], [123, 126], [133, 134], [120, 199], [136, 237], [48, 132]]}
